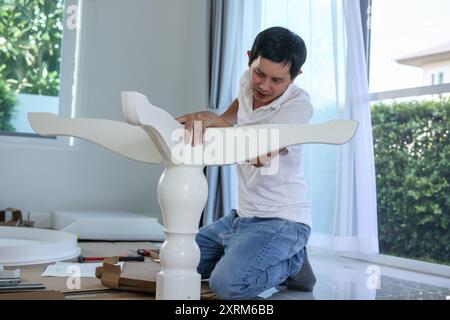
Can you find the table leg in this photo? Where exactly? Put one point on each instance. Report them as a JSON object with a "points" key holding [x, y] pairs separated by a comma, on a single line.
{"points": [[182, 195]]}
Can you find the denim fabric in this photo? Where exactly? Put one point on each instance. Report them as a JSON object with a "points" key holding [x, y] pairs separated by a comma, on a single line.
{"points": [[242, 257]]}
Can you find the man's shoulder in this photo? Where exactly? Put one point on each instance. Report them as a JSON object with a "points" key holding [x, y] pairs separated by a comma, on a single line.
{"points": [[299, 93], [297, 108], [297, 97]]}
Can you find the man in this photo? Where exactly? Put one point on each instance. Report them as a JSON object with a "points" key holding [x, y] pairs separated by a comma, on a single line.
{"points": [[262, 243]]}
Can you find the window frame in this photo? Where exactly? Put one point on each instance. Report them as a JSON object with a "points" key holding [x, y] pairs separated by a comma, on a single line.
{"points": [[414, 265]]}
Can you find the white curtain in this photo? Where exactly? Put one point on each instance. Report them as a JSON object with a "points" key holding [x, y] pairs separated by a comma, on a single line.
{"points": [[341, 179], [235, 24]]}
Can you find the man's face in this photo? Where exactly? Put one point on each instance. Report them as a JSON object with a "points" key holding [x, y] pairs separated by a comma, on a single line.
{"points": [[268, 80]]}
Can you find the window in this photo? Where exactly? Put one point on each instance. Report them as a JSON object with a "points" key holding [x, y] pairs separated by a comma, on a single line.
{"points": [[437, 78], [409, 45], [409, 61], [37, 50], [441, 78]]}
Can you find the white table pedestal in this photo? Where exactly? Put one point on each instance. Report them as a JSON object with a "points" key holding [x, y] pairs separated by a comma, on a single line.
{"points": [[182, 195]]}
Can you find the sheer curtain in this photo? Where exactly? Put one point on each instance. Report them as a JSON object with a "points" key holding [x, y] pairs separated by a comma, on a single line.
{"points": [[234, 25], [341, 179]]}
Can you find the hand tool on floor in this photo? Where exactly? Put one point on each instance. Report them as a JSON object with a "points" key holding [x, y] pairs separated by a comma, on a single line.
{"points": [[153, 254], [82, 259]]}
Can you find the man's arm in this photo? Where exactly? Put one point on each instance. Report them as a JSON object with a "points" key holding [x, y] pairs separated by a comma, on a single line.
{"points": [[207, 119], [226, 119], [263, 160], [230, 116]]}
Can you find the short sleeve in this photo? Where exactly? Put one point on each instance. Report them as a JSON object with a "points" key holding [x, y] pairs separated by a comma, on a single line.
{"points": [[295, 111]]}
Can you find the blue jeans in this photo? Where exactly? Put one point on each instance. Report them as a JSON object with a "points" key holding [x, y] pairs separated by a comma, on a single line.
{"points": [[242, 257]]}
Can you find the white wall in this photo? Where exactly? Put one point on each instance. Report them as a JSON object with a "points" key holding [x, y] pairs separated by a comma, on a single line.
{"points": [[155, 47]]}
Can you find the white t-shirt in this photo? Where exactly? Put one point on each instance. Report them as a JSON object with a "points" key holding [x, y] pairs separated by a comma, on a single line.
{"points": [[284, 194]]}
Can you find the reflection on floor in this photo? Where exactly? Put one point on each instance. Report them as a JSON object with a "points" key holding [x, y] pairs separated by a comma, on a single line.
{"points": [[347, 279]]}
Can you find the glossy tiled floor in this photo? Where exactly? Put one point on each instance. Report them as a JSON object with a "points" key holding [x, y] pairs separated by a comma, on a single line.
{"points": [[347, 279]]}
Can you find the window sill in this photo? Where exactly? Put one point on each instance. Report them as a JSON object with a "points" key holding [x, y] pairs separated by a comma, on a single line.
{"points": [[411, 92], [392, 261], [33, 141]]}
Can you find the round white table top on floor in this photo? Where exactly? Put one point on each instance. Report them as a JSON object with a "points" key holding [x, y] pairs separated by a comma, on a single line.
{"points": [[25, 246]]}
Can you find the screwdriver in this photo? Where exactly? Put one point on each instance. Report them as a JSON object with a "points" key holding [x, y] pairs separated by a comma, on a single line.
{"points": [[82, 259], [143, 252], [153, 254]]}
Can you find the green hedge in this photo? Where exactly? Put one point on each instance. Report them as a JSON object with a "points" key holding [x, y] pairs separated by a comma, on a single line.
{"points": [[412, 148]]}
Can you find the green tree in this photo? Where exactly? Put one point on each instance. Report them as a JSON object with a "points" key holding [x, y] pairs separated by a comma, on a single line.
{"points": [[7, 103], [30, 45]]}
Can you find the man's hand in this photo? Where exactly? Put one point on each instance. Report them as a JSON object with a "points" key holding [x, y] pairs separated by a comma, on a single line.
{"points": [[263, 160], [196, 123]]}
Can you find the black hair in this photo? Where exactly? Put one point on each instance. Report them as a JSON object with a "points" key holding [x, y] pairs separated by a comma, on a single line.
{"points": [[280, 45]]}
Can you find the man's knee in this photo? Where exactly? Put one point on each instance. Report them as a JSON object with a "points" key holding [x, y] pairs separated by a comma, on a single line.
{"points": [[224, 286], [230, 287]]}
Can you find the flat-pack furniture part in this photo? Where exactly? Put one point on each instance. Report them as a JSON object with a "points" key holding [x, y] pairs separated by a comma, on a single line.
{"points": [[111, 276], [152, 135], [24, 246]]}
